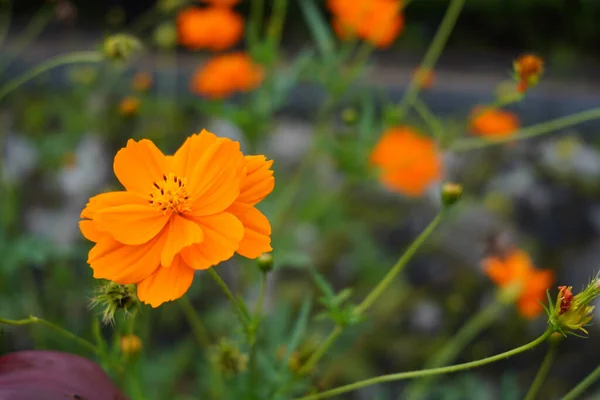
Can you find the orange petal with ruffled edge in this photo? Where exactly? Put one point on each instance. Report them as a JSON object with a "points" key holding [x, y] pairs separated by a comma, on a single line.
{"points": [[259, 180], [257, 230], [125, 264], [222, 235], [166, 284], [131, 224], [90, 232], [138, 165], [184, 160], [180, 233], [220, 169], [110, 199]]}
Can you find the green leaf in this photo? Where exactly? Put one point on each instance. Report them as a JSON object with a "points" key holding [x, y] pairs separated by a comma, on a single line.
{"points": [[299, 329], [319, 28], [322, 284]]}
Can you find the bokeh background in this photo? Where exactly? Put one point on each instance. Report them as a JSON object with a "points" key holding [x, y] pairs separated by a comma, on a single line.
{"points": [[61, 131]]}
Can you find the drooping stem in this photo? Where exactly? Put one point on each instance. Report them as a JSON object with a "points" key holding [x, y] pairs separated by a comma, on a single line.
{"points": [[453, 348], [198, 328], [528, 132], [433, 53], [536, 385], [234, 302], [582, 386], [428, 372], [65, 59], [374, 294]]}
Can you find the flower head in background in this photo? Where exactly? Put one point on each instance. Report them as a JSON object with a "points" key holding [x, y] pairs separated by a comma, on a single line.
{"points": [[129, 106], [516, 272], [528, 70], [227, 74], [130, 344], [141, 82], [409, 162], [211, 28], [493, 122], [425, 77], [376, 21], [178, 214]]}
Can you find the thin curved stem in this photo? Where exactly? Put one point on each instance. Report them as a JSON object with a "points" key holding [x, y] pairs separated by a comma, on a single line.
{"points": [[536, 385], [69, 335], [64, 59], [582, 386], [198, 328], [433, 53], [234, 302], [428, 372], [529, 132], [454, 347], [374, 294]]}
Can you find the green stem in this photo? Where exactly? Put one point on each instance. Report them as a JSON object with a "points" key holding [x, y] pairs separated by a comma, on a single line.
{"points": [[542, 372], [65, 59], [374, 294], [455, 346], [433, 53], [276, 22], [71, 336], [5, 15], [582, 386], [428, 372], [529, 132], [430, 119], [257, 11], [231, 298], [198, 328], [261, 296]]}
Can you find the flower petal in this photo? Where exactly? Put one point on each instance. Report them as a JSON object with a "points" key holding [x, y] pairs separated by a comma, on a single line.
{"points": [[180, 233], [138, 165], [257, 230], [189, 154], [125, 264], [166, 284], [220, 171], [259, 180], [222, 235], [110, 199], [90, 232], [131, 224]]}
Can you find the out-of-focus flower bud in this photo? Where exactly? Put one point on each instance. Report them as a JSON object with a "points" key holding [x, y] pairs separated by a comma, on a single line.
{"points": [[121, 47]]}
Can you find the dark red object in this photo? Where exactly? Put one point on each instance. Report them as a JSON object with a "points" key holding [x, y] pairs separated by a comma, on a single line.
{"points": [[53, 375]]}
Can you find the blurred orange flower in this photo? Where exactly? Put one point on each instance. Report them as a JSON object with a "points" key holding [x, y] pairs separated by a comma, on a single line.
{"points": [[212, 28], [528, 69], [425, 77], [377, 21], [516, 268], [493, 122], [129, 106], [227, 74], [221, 3], [141, 82], [178, 214], [409, 162]]}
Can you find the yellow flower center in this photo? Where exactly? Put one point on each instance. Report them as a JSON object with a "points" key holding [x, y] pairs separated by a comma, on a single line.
{"points": [[170, 194]]}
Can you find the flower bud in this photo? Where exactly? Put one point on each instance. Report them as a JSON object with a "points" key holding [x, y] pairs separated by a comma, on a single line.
{"points": [[265, 262], [451, 193], [572, 313], [349, 116], [228, 359], [165, 35], [112, 297], [130, 344], [528, 69], [121, 47]]}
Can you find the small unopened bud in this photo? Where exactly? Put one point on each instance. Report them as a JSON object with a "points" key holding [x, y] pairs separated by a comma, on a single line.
{"points": [[112, 297], [265, 262], [349, 116], [528, 69], [130, 344], [121, 47], [165, 35], [451, 193], [228, 359]]}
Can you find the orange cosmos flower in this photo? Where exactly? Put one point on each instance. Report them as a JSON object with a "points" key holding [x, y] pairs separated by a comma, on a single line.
{"points": [[221, 3], [178, 214], [129, 106], [377, 21], [409, 162], [212, 28], [517, 268], [226, 74], [528, 69], [493, 122]]}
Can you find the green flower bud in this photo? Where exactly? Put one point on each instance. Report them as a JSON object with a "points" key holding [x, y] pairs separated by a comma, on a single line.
{"points": [[121, 47], [228, 359], [265, 262], [451, 193], [165, 35], [112, 297]]}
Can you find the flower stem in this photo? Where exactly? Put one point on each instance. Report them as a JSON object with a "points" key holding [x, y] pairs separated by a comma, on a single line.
{"points": [[452, 349], [582, 386], [234, 302], [5, 15], [433, 53], [276, 22], [69, 335], [261, 296], [374, 294], [428, 372], [255, 20], [430, 119], [529, 132], [536, 385], [65, 59], [198, 328]]}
